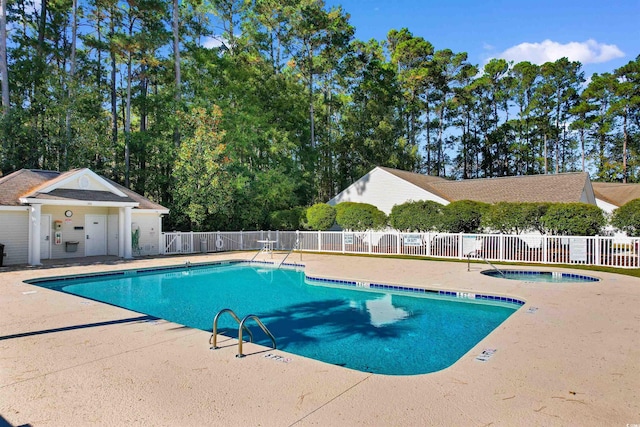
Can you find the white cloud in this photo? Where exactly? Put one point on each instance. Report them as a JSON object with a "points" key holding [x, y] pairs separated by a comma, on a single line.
{"points": [[214, 42], [587, 52]]}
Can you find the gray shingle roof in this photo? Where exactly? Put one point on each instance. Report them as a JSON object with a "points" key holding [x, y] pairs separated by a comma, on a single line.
{"points": [[563, 187], [28, 181]]}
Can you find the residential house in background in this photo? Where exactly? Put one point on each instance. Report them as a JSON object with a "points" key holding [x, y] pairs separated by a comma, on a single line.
{"points": [[385, 187]]}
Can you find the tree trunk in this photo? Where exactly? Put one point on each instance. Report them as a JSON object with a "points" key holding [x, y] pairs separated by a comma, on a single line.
{"points": [[625, 142], [546, 168], [4, 69], [127, 125], [114, 93], [70, 86], [176, 63]]}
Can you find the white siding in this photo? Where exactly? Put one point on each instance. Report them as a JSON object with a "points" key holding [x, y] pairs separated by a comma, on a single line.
{"points": [[605, 206], [72, 228], [383, 190], [149, 232], [14, 234]]}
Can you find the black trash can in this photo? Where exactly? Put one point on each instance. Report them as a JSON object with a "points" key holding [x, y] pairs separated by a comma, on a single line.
{"points": [[1, 254]]}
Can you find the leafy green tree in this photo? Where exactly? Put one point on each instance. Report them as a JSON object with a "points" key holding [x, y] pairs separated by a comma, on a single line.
{"points": [[573, 219], [626, 106], [287, 219], [203, 193], [600, 94], [359, 216], [463, 216], [411, 56], [421, 216], [321, 216], [627, 218]]}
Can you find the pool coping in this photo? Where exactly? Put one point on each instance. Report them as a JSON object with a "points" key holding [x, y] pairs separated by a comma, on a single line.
{"points": [[573, 360]]}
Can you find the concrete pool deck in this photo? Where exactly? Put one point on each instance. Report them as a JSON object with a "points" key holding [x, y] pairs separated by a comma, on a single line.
{"points": [[65, 360]]}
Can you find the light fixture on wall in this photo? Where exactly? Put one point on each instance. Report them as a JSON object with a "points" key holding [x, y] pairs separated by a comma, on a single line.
{"points": [[68, 213]]}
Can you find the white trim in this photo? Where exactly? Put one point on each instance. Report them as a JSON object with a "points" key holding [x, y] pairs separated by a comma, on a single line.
{"points": [[151, 211], [15, 208], [127, 233], [79, 174], [34, 241], [56, 202]]}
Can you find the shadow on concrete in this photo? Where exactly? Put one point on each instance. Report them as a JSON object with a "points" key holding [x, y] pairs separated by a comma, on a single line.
{"points": [[74, 327]]}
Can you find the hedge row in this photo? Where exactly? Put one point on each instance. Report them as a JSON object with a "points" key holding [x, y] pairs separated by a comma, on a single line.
{"points": [[464, 216]]}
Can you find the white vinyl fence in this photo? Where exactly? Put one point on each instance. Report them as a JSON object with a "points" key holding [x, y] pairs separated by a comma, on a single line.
{"points": [[595, 250]]}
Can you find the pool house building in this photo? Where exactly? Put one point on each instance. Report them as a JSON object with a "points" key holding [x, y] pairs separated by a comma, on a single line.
{"points": [[52, 215]]}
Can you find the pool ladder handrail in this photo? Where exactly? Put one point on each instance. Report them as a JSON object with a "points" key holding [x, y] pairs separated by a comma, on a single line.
{"points": [[477, 254], [295, 246], [214, 336], [262, 326]]}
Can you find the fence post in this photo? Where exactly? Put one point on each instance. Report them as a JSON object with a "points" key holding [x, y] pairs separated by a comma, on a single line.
{"points": [[428, 252], [399, 244], [241, 244], [343, 245], [319, 241], [460, 246], [545, 249], [370, 241], [502, 245]]}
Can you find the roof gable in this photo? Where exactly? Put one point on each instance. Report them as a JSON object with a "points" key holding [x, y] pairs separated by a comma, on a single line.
{"points": [[75, 186], [78, 179]]}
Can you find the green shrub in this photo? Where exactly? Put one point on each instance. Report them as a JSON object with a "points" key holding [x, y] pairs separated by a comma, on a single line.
{"points": [[508, 217], [359, 216], [420, 216], [573, 219], [320, 216], [463, 216], [627, 218], [289, 219]]}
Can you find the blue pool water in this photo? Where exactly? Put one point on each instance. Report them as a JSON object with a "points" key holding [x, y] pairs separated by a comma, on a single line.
{"points": [[540, 276], [379, 331]]}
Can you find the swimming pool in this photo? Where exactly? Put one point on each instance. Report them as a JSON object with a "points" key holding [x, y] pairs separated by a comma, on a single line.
{"points": [[378, 328], [540, 276]]}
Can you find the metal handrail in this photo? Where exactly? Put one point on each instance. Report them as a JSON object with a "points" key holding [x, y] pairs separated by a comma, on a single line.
{"points": [[259, 322], [484, 259], [295, 246], [214, 336]]}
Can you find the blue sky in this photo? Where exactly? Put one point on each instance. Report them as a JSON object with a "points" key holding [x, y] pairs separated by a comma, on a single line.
{"points": [[603, 35]]}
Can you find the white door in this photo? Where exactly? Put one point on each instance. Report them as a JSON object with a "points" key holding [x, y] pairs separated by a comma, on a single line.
{"points": [[112, 233], [95, 227], [45, 236]]}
